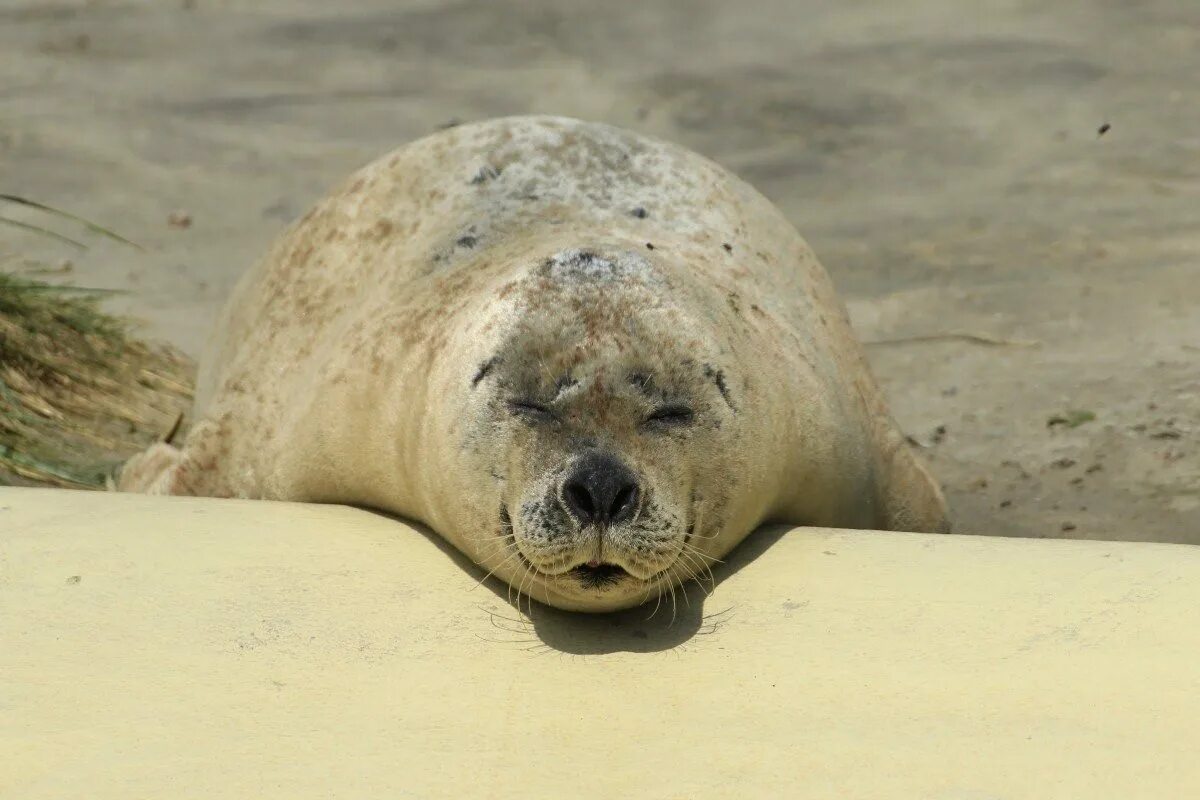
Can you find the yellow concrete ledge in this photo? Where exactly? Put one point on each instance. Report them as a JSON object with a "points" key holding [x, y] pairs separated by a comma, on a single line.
{"points": [[186, 648]]}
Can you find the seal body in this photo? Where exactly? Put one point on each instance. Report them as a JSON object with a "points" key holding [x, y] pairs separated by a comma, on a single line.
{"points": [[592, 361]]}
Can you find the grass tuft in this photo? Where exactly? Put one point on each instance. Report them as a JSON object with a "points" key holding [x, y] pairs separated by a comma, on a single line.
{"points": [[79, 391]]}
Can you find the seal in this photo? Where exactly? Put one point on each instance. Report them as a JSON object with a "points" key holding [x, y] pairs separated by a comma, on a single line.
{"points": [[590, 360]]}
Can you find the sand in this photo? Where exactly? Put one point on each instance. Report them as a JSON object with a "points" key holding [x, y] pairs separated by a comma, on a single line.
{"points": [[942, 158]]}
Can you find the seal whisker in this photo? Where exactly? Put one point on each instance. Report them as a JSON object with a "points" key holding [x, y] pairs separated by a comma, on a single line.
{"points": [[705, 556], [505, 641], [688, 574], [694, 576], [657, 602], [523, 627], [492, 571], [499, 616], [520, 588], [532, 574], [674, 605], [703, 560], [515, 587], [651, 584]]}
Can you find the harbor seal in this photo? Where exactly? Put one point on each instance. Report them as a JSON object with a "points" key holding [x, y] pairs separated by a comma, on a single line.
{"points": [[590, 360]]}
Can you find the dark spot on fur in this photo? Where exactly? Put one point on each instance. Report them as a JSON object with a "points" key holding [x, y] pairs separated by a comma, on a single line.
{"points": [[486, 173], [718, 377], [728, 247], [639, 212], [467, 241], [649, 246], [383, 228], [579, 265], [641, 381], [564, 383], [573, 261], [484, 369]]}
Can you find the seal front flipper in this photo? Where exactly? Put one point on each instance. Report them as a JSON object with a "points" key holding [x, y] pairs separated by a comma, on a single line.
{"points": [[150, 471], [193, 469], [909, 499]]}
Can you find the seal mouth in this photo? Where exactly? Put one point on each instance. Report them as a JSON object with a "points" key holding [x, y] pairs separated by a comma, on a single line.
{"points": [[599, 575], [592, 574]]}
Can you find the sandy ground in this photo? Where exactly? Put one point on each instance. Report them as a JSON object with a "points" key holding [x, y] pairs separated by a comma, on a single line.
{"points": [[943, 159]]}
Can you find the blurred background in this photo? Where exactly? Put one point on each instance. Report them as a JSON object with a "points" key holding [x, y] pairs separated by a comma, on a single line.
{"points": [[1005, 192]]}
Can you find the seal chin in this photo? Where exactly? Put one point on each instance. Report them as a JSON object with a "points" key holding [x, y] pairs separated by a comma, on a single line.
{"points": [[592, 576]]}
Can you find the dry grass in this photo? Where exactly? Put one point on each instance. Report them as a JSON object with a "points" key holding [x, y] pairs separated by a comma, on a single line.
{"points": [[79, 393]]}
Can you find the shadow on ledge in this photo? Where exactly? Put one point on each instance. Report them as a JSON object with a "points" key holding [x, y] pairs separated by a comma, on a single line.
{"points": [[658, 625]]}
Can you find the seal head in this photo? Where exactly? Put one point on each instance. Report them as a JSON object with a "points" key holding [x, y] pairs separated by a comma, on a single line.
{"points": [[606, 420]]}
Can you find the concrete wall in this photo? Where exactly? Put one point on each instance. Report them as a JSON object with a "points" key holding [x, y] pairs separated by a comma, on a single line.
{"points": [[175, 647]]}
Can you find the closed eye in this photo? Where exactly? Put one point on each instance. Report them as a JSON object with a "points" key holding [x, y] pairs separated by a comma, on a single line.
{"points": [[531, 411], [671, 416]]}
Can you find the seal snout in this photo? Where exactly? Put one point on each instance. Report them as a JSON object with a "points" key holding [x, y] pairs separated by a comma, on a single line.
{"points": [[601, 491]]}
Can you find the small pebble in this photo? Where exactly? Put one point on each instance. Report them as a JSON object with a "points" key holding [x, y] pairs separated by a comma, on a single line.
{"points": [[179, 219]]}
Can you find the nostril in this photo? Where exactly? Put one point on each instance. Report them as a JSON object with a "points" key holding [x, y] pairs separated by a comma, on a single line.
{"points": [[624, 503], [580, 500]]}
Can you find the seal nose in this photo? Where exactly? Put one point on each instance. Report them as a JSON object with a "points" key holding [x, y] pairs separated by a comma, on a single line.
{"points": [[600, 490]]}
